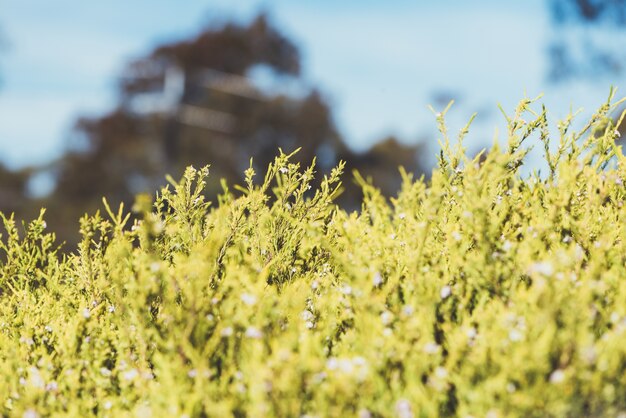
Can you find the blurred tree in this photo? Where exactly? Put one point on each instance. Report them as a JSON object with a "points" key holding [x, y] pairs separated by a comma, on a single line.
{"points": [[195, 102], [13, 190], [589, 38]]}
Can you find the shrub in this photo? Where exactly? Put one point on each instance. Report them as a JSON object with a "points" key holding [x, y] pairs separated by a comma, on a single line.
{"points": [[481, 292]]}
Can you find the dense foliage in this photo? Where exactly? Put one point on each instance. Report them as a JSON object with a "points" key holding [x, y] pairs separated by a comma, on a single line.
{"points": [[481, 293]]}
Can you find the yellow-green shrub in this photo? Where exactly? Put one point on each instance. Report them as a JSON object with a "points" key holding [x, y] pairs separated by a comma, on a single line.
{"points": [[479, 293]]}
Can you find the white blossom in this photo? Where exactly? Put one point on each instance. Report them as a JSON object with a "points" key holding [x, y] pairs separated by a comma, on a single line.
{"points": [[403, 409], [471, 333], [130, 374], [407, 310], [445, 292], [249, 299], [30, 413], [515, 335], [377, 280], [346, 290], [543, 267], [86, 313], [431, 348], [254, 333], [386, 317], [307, 315], [364, 413], [557, 376]]}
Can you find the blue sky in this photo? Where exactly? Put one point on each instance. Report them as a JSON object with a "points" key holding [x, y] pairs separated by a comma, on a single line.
{"points": [[379, 63]]}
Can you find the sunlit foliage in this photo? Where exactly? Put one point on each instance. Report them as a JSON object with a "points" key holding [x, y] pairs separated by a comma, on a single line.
{"points": [[483, 292]]}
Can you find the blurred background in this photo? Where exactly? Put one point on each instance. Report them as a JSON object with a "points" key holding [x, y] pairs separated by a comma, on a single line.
{"points": [[105, 98]]}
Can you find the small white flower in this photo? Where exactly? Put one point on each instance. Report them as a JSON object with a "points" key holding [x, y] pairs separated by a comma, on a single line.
{"points": [[386, 317], [614, 318], [192, 373], [105, 372], [515, 335], [364, 413], [441, 372], [227, 332], [471, 333], [254, 333], [456, 235], [28, 341], [283, 170], [387, 332], [492, 413], [30, 413], [510, 387], [402, 215], [346, 290], [307, 315], [315, 284], [544, 267], [359, 361], [86, 313], [431, 348], [108, 405], [130, 375], [589, 354], [506, 246], [155, 266], [403, 409], [407, 310], [249, 299], [445, 292], [557, 376], [44, 224], [48, 328], [111, 308], [377, 280], [35, 378]]}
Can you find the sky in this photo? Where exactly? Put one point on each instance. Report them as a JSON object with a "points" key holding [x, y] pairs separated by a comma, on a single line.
{"points": [[380, 64]]}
